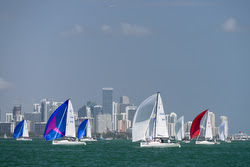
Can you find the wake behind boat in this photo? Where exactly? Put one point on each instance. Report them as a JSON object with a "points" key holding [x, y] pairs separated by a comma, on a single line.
{"points": [[149, 124], [22, 130], [62, 124]]}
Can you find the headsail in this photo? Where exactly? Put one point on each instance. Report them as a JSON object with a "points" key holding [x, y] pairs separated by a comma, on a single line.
{"points": [[82, 129], [56, 124], [142, 117], [18, 130], [179, 128], [195, 127], [222, 131]]}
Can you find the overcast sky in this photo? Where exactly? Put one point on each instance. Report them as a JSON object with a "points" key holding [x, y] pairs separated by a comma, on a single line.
{"points": [[196, 53]]}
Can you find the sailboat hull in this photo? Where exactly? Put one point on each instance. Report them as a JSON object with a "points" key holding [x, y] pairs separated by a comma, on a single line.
{"points": [[88, 139], [24, 139], [158, 144], [206, 142], [67, 142]]}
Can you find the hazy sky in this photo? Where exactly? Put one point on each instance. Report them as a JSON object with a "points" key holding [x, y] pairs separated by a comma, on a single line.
{"points": [[196, 53]]}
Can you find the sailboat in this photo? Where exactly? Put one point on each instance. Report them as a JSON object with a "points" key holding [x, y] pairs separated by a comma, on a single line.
{"points": [[195, 129], [179, 129], [5, 136], [62, 124], [222, 135], [149, 124], [84, 130], [22, 130]]}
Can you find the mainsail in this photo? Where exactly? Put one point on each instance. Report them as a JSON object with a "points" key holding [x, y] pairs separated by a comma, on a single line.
{"points": [[195, 127], [70, 123], [82, 129], [222, 131], [208, 132], [88, 129], [56, 124], [161, 126], [179, 128], [25, 129]]}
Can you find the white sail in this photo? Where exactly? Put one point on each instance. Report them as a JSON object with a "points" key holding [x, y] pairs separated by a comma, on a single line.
{"points": [[142, 118], [25, 129], [70, 122], [222, 131], [179, 128], [208, 132], [88, 129], [161, 125]]}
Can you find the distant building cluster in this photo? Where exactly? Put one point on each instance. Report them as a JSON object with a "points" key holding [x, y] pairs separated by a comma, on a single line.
{"points": [[108, 117]]}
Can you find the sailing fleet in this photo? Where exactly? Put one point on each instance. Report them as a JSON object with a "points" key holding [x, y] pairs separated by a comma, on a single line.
{"points": [[149, 127]]}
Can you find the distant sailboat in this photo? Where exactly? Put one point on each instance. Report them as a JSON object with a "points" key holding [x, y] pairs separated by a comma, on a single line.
{"points": [[222, 135], [195, 129], [84, 130], [149, 124], [62, 123], [179, 129], [5, 136], [22, 130]]}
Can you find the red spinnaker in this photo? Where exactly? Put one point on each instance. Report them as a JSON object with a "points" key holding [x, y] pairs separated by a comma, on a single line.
{"points": [[195, 127]]}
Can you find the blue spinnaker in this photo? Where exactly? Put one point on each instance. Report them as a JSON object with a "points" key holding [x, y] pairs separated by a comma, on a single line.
{"points": [[82, 129], [56, 124], [18, 130]]}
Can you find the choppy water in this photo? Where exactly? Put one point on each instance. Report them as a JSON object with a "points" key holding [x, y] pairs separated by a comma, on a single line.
{"points": [[121, 153]]}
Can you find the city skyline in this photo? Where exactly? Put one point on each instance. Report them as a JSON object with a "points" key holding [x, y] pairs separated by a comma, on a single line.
{"points": [[194, 52]]}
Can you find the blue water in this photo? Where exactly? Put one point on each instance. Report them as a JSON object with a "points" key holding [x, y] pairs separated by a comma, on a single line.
{"points": [[121, 153]]}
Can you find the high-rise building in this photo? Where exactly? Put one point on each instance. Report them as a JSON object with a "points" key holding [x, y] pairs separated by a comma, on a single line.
{"points": [[212, 117], [107, 100], [84, 111], [37, 107], [97, 110], [187, 127], [172, 120], [44, 110], [9, 117], [224, 119], [130, 112], [33, 118], [16, 113], [114, 116], [124, 100]]}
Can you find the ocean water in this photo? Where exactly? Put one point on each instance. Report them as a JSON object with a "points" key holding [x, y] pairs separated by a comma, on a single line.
{"points": [[121, 153]]}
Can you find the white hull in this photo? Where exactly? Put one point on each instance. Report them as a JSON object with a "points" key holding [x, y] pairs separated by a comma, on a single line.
{"points": [[186, 141], [24, 139], [206, 142], [228, 141], [158, 144], [88, 139], [67, 142]]}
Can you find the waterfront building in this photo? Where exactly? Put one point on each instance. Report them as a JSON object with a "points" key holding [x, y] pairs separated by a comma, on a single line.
{"points": [[107, 100], [44, 110], [130, 112], [40, 127], [33, 118]]}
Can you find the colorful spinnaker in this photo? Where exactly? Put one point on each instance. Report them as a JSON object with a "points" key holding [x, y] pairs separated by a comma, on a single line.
{"points": [[195, 127], [82, 129]]}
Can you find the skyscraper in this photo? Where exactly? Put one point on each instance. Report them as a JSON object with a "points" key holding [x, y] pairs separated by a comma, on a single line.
{"points": [[44, 110], [107, 100], [17, 113], [124, 100]]}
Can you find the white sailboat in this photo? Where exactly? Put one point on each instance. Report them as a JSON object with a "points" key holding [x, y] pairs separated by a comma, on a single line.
{"points": [[62, 124], [179, 129], [222, 134], [149, 124], [208, 133], [5, 136], [22, 130]]}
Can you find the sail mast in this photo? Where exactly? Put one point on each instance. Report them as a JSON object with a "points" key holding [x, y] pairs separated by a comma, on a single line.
{"points": [[156, 113]]}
